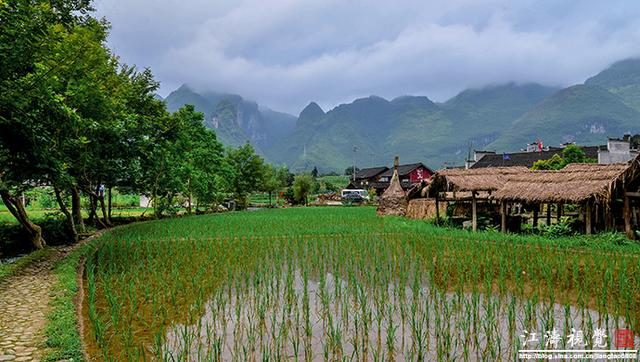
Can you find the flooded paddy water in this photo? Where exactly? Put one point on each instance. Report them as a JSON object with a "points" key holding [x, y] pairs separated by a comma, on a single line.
{"points": [[294, 317]]}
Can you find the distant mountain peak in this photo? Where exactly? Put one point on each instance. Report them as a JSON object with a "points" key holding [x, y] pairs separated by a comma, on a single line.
{"points": [[310, 114], [417, 101], [619, 74], [312, 110]]}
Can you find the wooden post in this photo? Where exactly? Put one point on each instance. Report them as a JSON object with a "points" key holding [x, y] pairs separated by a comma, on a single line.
{"points": [[536, 215], [587, 217], [503, 213], [474, 212], [627, 219], [560, 211], [548, 213], [437, 210]]}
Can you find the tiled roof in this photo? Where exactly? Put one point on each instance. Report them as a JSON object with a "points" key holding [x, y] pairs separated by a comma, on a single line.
{"points": [[404, 170], [527, 159], [367, 173]]}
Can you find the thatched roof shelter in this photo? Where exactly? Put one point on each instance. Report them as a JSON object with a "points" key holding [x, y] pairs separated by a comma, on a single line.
{"points": [[575, 183], [481, 179]]}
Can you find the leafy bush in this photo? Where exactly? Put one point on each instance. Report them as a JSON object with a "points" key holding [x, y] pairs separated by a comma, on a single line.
{"points": [[557, 230], [41, 198], [615, 238]]}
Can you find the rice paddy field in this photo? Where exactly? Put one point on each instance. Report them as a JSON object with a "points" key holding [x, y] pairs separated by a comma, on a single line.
{"points": [[327, 284]]}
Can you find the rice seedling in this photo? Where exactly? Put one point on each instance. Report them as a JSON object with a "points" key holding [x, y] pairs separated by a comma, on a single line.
{"points": [[343, 284]]}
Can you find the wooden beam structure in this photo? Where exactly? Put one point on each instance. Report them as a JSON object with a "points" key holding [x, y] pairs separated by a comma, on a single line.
{"points": [[632, 194], [548, 213], [474, 212], [503, 213], [560, 211], [587, 218], [536, 216], [437, 210], [627, 219]]}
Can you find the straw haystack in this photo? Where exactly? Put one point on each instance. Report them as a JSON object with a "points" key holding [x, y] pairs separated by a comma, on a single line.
{"points": [[393, 201], [425, 209]]}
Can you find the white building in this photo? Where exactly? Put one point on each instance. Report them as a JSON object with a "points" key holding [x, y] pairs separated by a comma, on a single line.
{"points": [[617, 151]]}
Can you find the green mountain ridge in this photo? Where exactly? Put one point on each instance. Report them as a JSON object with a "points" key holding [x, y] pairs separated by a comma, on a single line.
{"points": [[582, 113], [235, 120], [621, 78], [503, 118], [413, 127]]}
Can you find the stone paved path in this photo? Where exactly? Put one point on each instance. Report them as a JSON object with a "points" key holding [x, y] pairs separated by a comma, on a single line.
{"points": [[24, 303]]}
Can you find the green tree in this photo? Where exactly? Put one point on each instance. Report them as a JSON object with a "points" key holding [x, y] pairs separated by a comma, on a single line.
{"points": [[302, 187], [248, 169], [275, 179], [574, 154], [571, 154], [556, 162], [349, 171], [31, 110]]}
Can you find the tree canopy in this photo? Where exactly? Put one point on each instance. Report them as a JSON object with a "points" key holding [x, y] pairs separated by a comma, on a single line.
{"points": [[75, 119], [570, 154]]}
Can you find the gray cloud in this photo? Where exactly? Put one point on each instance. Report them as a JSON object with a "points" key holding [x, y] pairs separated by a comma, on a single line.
{"points": [[285, 53]]}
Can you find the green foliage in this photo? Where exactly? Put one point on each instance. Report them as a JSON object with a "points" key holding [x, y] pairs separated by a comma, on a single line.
{"points": [[74, 118], [570, 154], [63, 340], [556, 162], [9, 269], [248, 172], [349, 171], [303, 186], [557, 230]]}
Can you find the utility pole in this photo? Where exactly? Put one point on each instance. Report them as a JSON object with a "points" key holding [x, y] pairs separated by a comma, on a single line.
{"points": [[355, 149]]}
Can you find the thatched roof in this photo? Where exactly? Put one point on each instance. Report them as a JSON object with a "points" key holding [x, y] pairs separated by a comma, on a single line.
{"points": [[482, 179], [573, 184]]}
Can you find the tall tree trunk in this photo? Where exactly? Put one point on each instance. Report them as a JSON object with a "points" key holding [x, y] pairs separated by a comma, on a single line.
{"points": [[16, 208], [190, 196], [92, 208], [93, 212], [109, 201], [76, 209], [103, 208], [71, 225]]}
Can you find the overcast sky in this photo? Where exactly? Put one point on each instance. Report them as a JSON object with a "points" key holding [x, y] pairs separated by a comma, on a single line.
{"points": [[286, 53]]}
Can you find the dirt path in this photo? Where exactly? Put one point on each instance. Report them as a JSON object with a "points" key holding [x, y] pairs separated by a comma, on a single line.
{"points": [[24, 303]]}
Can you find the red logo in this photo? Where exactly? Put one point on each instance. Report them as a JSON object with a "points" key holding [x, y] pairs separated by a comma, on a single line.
{"points": [[624, 338]]}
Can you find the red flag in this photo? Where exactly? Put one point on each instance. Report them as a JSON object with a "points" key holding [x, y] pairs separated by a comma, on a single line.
{"points": [[539, 145]]}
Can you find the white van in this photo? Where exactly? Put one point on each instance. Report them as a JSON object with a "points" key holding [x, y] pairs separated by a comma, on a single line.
{"points": [[360, 192]]}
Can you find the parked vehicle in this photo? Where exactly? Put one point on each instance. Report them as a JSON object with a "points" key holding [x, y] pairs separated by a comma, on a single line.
{"points": [[354, 196], [361, 192]]}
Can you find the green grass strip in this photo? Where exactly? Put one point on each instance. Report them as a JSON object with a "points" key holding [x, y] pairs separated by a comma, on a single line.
{"points": [[63, 337], [9, 269]]}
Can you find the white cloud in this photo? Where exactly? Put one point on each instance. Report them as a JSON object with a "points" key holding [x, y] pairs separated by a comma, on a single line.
{"points": [[286, 53]]}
